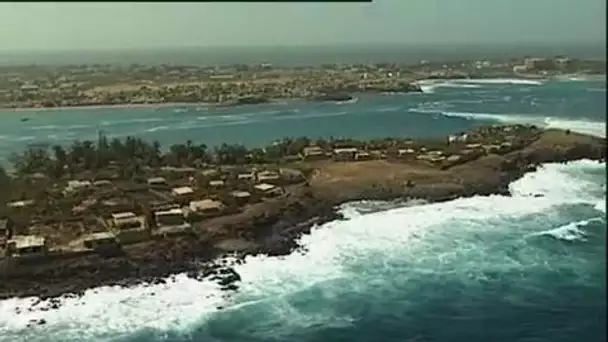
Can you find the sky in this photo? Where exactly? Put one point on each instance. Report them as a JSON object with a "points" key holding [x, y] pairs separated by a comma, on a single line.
{"points": [[118, 26]]}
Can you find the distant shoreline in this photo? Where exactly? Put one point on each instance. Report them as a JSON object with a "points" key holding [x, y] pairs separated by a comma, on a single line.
{"points": [[109, 106], [565, 77]]}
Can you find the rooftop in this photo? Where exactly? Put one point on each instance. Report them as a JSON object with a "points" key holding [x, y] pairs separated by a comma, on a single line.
{"points": [[264, 187], [124, 215], [99, 236], [26, 241], [184, 190], [156, 180], [345, 150], [20, 204], [205, 204], [240, 194], [174, 211]]}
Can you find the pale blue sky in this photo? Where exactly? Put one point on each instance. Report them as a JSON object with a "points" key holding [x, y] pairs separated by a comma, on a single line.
{"points": [[85, 26]]}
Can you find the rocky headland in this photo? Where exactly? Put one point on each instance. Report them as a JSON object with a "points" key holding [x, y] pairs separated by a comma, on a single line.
{"points": [[273, 226]]}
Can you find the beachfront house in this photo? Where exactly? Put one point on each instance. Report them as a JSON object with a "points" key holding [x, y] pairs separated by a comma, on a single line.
{"points": [[27, 246], [240, 197], [20, 204], [171, 217], [271, 177], [344, 154], [207, 207], [170, 222], [313, 153], [246, 177], [98, 241], [216, 184], [406, 153], [129, 228], [77, 185], [363, 155], [157, 181], [182, 191], [267, 190], [102, 183]]}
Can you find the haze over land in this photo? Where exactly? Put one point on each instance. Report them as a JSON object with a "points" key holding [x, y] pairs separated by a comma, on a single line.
{"points": [[122, 26]]}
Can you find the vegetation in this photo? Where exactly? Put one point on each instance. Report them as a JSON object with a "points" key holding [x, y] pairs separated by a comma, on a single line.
{"points": [[130, 155]]}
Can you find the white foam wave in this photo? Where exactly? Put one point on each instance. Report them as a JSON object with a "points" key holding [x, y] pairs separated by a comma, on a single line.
{"points": [[130, 121], [157, 128], [601, 206], [351, 101], [594, 128], [597, 129], [569, 232], [429, 86], [439, 234], [502, 81]]}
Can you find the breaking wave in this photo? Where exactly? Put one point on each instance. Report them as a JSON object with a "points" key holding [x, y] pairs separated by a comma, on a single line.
{"points": [[465, 240], [595, 128], [429, 86]]}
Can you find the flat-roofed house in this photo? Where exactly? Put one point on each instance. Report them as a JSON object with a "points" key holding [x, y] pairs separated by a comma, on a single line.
{"points": [[246, 177], [268, 190], [241, 197], [216, 184], [344, 154], [171, 222], [406, 153], [210, 173], [157, 181], [182, 191], [207, 207], [491, 148], [171, 217], [101, 240], [313, 152], [20, 204], [77, 185], [102, 183], [362, 155], [129, 228], [27, 246], [270, 177]]}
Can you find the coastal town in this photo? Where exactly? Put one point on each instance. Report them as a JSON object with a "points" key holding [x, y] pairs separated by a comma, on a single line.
{"points": [[96, 198], [38, 86], [124, 212]]}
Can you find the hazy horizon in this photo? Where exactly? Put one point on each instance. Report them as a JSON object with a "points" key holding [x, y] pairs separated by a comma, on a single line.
{"points": [[120, 26]]}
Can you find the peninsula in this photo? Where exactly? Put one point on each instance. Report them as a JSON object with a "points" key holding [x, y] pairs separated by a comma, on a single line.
{"points": [[123, 212], [37, 86]]}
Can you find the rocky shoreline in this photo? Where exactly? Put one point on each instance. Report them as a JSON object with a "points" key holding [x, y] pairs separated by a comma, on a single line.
{"points": [[274, 229]]}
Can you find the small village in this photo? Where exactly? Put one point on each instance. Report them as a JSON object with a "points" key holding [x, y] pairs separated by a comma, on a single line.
{"points": [[66, 206]]}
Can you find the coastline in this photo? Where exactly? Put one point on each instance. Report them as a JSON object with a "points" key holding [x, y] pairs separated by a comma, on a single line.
{"points": [[416, 82], [274, 226]]}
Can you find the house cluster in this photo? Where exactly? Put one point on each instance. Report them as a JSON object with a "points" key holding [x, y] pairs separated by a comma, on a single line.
{"points": [[105, 214], [458, 148]]}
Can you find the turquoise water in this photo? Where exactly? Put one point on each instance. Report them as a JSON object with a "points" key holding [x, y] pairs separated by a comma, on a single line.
{"points": [[446, 108], [495, 268]]}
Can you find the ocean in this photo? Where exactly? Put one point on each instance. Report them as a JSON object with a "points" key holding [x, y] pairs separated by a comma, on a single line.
{"points": [[486, 268]]}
